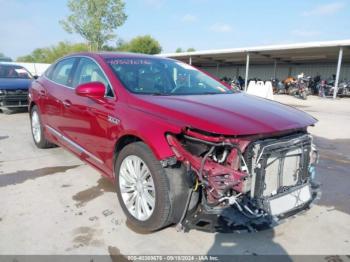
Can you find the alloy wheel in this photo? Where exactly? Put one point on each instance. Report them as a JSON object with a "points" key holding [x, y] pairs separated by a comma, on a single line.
{"points": [[137, 187], [36, 128]]}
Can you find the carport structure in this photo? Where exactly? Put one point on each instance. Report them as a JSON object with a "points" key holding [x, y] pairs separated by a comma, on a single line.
{"points": [[336, 52]]}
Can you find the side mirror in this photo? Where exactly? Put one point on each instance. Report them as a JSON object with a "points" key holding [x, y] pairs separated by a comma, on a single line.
{"points": [[94, 90]]}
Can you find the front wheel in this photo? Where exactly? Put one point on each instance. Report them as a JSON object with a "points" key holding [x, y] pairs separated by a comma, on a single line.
{"points": [[304, 95], [142, 188]]}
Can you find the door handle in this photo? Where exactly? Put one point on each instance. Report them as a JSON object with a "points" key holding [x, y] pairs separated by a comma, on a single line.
{"points": [[42, 92], [67, 103]]}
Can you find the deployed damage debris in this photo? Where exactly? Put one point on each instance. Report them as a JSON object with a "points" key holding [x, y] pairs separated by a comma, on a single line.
{"points": [[246, 182]]}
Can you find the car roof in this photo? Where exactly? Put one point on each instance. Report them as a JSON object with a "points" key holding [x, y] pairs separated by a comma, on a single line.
{"points": [[117, 55], [10, 64]]}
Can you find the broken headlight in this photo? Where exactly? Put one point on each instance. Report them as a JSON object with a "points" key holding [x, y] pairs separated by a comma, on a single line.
{"points": [[313, 155], [313, 161]]}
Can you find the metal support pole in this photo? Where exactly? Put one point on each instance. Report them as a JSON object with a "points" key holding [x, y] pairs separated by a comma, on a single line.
{"points": [[190, 60], [340, 57], [246, 73], [275, 69], [36, 71]]}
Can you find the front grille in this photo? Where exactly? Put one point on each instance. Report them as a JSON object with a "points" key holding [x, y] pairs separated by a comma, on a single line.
{"points": [[14, 98], [278, 164], [16, 92]]}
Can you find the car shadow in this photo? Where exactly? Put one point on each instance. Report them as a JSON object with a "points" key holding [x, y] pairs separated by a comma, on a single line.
{"points": [[240, 246], [14, 110]]}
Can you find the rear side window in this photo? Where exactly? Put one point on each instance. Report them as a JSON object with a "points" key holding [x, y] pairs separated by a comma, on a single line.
{"points": [[48, 72], [62, 72]]}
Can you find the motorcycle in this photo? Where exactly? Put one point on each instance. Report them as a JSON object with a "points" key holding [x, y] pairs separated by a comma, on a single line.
{"points": [[235, 84], [298, 88], [278, 86], [324, 88], [313, 84], [303, 89], [344, 88], [289, 85]]}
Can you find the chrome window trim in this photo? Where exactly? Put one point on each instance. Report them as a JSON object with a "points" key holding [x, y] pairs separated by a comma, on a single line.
{"points": [[78, 147], [93, 60], [44, 76]]}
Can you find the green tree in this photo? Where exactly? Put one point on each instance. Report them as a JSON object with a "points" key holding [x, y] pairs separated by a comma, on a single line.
{"points": [[4, 58], [119, 45], [141, 44], [50, 54], [95, 20], [180, 50]]}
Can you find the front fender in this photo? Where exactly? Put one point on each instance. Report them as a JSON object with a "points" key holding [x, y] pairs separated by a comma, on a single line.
{"points": [[151, 130]]}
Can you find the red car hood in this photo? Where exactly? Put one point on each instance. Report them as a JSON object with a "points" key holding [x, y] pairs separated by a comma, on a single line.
{"points": [[226, 114]]}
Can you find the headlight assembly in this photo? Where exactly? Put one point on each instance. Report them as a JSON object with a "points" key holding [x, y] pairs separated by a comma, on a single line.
{"points": [[314, 156]]}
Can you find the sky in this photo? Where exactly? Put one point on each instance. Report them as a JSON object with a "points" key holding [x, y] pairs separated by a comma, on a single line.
{"points": [[201, 24]]}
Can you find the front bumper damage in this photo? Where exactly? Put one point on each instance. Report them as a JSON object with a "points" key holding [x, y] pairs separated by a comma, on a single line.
{"points": [[246, 183]]}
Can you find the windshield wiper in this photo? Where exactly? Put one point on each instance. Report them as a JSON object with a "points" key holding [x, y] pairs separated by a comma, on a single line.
{"points": [[159, 94], [211, 93]]}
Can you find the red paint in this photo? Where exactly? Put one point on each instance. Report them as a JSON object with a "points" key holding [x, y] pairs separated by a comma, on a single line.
{"points": [[85, 121], [94, 90]]}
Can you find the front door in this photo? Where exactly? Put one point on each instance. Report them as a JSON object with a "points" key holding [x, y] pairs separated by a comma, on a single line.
{"points": [[86, 120]]}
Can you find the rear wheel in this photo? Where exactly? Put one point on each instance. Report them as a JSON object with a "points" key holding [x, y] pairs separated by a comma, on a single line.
{"points": [[142, 188], [37, 129]]}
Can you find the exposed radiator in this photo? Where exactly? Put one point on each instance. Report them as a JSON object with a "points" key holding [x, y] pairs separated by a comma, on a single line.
{"points": [[278, 164]]}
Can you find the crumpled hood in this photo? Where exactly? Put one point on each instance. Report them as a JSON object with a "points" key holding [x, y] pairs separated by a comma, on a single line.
{"points": [[14, 83], [226, 114]]}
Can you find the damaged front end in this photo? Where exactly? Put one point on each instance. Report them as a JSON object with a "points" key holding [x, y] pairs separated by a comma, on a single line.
{"points": [[244, 182]]}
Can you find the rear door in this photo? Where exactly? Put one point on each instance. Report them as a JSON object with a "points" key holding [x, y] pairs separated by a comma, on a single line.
{"points": [[86, 120]]}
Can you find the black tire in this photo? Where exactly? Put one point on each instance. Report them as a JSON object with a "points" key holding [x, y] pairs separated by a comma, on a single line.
{"points": [[161, 215], [304, 95], [42, 142]]}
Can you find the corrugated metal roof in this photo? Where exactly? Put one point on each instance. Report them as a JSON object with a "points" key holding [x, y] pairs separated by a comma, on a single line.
{"points": [[336, 43], [326, 51]]}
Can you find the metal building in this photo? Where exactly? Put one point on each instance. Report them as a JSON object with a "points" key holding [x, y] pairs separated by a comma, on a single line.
{"points": [[275, 61]]}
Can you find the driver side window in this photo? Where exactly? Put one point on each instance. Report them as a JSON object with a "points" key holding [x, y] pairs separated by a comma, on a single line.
{"points": [[88, 71]]}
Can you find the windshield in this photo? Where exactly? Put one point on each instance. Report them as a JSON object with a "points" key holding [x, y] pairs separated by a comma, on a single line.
{"points": [[14, 71], [164, 77]]}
